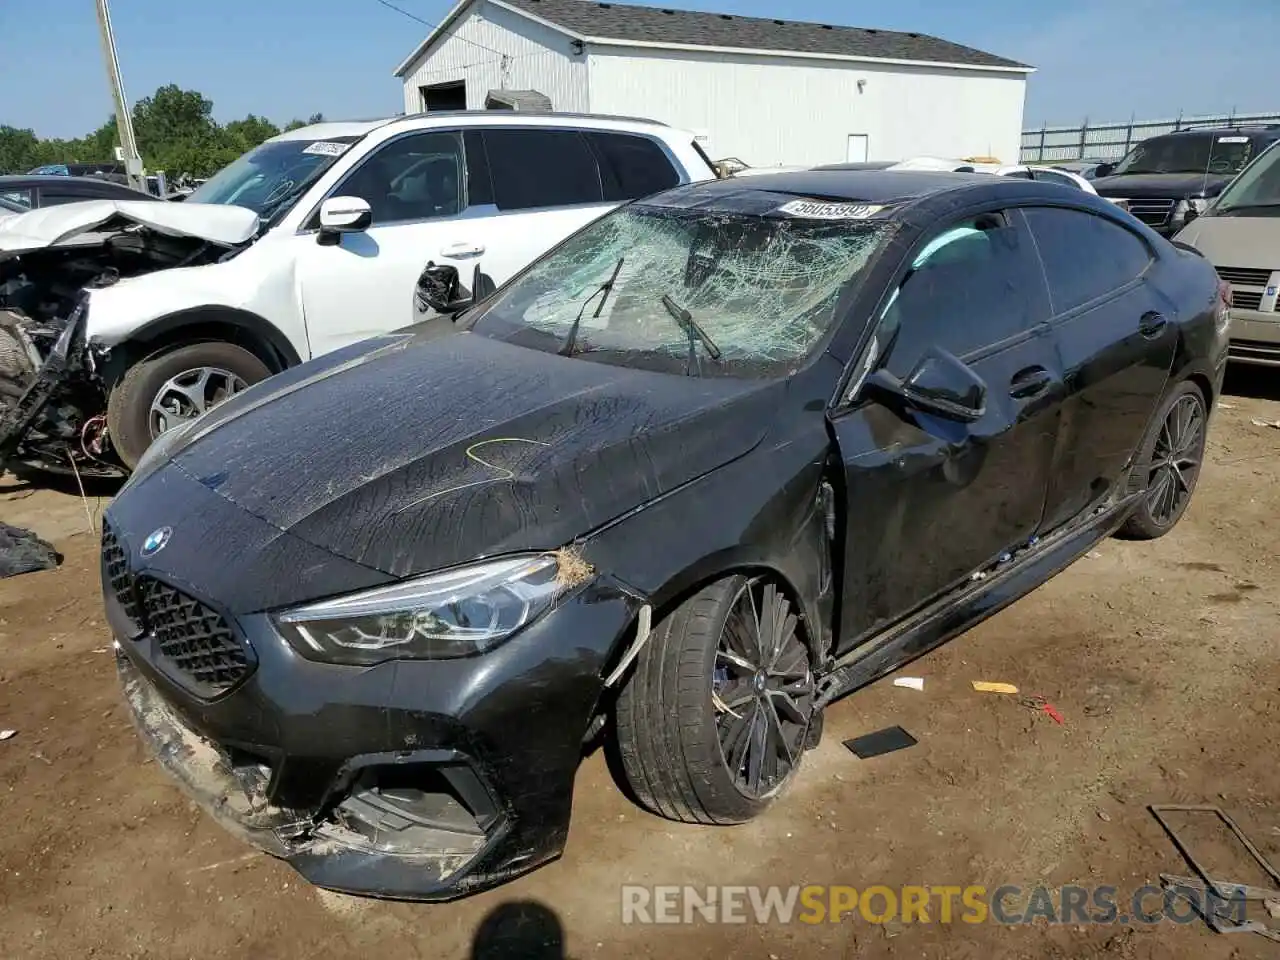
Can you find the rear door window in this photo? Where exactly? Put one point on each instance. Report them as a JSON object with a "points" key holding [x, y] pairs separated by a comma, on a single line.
{"points": [[1085, 256], [631, 167], [533, 168]]}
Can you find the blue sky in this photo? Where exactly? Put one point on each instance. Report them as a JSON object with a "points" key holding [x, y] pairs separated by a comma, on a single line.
{"points": [[287, 58]]}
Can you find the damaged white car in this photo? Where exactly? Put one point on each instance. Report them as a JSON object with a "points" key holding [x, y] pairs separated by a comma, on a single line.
{"points": [[120, 320]]}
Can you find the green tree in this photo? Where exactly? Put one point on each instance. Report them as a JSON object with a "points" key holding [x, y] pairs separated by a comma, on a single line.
{"points": [[174, 128], [251, 131], [20, 150]]}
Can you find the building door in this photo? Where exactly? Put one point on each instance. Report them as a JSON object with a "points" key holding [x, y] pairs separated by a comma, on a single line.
{"points": [[857, 149], [444, 96]]}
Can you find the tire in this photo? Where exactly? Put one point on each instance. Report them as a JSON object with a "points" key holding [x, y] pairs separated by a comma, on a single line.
{"points": [[669, 720], [130, 418], [1169, 481]]}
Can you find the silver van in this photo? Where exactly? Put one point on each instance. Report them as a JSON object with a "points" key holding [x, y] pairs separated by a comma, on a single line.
{"points": [[1240, 234]]}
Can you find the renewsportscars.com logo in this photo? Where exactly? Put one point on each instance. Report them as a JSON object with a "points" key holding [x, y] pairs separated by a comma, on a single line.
{"points": [[1007, 904]]}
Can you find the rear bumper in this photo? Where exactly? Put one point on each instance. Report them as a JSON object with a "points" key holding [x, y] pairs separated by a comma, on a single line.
{"points": [[312, 762], [1255, 337]]}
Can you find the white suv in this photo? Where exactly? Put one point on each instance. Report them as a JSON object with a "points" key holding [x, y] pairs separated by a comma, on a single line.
{"points": [[309, 242]]}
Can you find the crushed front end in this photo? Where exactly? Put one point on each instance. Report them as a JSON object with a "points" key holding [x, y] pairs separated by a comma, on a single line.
{"points": [[405, 779], [52, 403]]}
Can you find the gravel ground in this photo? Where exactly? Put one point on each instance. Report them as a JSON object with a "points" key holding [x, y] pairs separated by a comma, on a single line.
{"points": [[1161, 659]]}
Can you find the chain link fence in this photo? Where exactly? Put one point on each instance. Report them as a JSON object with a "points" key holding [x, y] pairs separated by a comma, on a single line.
{"points": [[1111, 141]]}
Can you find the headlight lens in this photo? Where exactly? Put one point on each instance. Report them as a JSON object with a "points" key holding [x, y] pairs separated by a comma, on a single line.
{"points": [[453, 613], [1199, 204]]}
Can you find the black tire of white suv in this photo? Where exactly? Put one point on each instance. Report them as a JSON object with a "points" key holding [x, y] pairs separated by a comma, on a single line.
{"points": [[160, 389]]}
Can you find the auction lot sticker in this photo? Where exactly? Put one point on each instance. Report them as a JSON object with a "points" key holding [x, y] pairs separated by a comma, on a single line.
{"points": [[818, 210]]}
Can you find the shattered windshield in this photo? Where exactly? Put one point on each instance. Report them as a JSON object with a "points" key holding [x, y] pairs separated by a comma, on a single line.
{"points": [[268, 174], [693, 291], [1219, 154]]}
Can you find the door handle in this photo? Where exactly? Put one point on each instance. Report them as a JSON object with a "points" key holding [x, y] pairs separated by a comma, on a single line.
{"points": [[1029, 382], [462, 249], [1152, 324]]}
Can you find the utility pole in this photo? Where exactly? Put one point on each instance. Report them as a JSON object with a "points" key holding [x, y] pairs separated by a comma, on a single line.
{"points": [[124, 121]]}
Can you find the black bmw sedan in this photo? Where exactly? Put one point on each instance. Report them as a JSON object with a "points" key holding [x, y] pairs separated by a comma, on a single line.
{"points": [[720, 458]]}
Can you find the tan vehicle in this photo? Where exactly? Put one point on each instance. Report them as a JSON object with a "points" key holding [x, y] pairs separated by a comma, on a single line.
{"points": [[1240, 234]]}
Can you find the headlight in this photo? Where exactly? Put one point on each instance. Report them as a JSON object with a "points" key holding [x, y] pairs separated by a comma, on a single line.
{"points": [[1199, 204], [454, 613]]}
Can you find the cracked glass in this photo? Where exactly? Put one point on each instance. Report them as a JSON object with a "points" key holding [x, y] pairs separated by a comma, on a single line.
{"points": [[761, 290]]}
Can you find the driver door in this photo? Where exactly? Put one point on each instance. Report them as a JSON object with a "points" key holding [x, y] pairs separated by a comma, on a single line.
{"points": [[932, 500], [363, 285]]}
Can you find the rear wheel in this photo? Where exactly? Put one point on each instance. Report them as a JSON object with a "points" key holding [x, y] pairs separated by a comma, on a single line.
{"points": [[714, 720], [1169, 464], [173, 387]]}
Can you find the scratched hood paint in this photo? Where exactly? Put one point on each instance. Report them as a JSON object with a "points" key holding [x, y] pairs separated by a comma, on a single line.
{"points": [[411, 453]]}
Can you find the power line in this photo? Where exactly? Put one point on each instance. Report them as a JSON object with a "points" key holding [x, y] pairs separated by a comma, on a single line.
{"points": [[434, 26]]}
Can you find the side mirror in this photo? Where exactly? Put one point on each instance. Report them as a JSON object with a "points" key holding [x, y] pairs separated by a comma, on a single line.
{"points": [[1103, 170], [939, 385], [339, 215], [439, 289]]}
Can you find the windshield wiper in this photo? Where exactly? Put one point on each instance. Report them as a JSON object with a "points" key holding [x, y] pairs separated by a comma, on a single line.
{"points": [[694, 331], [571, 338]]}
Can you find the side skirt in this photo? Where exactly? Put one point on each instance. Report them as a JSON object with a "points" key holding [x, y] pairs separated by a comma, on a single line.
{"points": [[970, 605]]}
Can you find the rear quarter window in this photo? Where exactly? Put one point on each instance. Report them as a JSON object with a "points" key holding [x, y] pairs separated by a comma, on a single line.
{"points": [[1085, 256], [632, 167]]}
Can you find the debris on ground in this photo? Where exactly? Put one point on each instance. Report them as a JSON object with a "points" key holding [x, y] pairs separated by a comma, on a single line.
{"points": [[21, 551], [1104, 816], [1259, 422], [1042, 705], [987, 686], [1226, 892], [8, 734], [881, 742], [911, 683]]}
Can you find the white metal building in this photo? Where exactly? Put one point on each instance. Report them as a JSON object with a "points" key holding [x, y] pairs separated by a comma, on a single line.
{"points": [[769, 92]]}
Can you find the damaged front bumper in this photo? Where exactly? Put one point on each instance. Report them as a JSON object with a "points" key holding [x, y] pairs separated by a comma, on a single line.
{"points": [[416, 780]]}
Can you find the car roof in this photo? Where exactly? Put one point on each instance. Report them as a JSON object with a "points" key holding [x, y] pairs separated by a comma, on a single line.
{"points": [[88, 184], [358, 128], [917, 197], [864, 186], [1272, 131]]}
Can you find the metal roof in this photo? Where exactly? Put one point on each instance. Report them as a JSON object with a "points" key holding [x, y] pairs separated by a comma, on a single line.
{"points": [[664, 27], [658, 25]]}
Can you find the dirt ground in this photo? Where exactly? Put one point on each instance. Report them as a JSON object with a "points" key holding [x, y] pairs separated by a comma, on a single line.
{"points": [[1161, 658]]}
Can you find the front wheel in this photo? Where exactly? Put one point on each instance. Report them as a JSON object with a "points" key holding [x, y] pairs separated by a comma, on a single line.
{"points": [[173, 387], [713, 722], [1169, 464]]}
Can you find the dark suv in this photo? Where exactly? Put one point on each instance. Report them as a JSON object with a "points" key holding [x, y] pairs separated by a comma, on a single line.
{"points": [[1170, 179]]}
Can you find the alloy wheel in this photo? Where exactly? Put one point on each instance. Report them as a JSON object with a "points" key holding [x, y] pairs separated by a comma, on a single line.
{"points": [[189, 394], [1175, 461], [762, 690]]}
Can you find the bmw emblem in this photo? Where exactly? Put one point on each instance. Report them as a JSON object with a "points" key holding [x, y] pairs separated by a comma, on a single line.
{"points": [[156, 541]]}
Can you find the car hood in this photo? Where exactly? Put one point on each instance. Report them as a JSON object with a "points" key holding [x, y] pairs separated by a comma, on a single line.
{"points": [[1249, 242], [1162, 185], [80, 223], [433, 447]]}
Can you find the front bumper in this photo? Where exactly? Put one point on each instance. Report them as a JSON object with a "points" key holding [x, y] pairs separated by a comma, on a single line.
{"points": [[417, 780], [1255, 337]]}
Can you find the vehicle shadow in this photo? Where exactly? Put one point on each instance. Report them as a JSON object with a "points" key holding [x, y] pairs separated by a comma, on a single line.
{"points": [[20, 479], [1246, 380], [519, 930]]}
